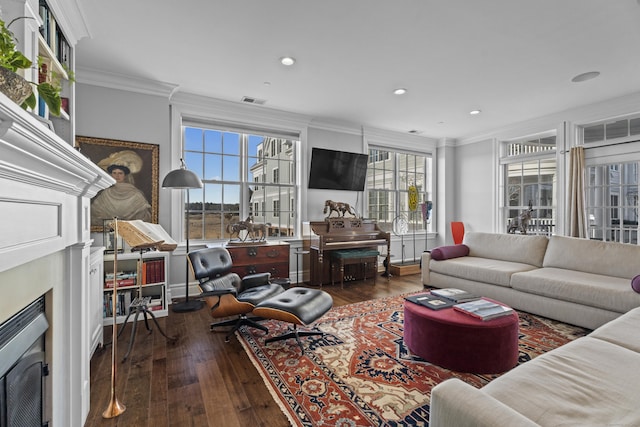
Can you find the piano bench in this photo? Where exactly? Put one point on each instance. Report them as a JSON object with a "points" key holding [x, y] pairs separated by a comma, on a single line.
{"points": [[354, 256]]}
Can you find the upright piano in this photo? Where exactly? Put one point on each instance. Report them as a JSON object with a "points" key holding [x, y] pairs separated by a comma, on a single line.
{"points": [[341, 233]]}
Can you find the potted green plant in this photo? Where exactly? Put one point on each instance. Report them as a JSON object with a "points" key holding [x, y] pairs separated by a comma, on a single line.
{"points": [[19, 89]]}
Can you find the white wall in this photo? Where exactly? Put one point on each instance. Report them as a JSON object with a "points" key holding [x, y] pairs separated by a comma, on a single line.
{"points": [[127, 116], [476, 163], [474, 183], [332, 140]]}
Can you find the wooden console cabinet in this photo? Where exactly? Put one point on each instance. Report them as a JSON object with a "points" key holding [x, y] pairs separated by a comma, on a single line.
{"points": [[267, 257]]}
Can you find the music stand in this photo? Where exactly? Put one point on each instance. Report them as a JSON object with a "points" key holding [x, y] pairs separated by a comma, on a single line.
{"points": [[140, 304]]}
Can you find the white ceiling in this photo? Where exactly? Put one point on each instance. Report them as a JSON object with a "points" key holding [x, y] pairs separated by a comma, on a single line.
{"points": [[512, 59]]}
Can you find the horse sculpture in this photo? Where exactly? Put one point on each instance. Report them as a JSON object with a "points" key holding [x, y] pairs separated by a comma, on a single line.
{"points": [[257, 231], [338, 207], [254, 231], [521, 222]]}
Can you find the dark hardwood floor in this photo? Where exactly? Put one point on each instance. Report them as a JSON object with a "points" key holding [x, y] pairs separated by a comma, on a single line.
{"points": [[200, 380]]}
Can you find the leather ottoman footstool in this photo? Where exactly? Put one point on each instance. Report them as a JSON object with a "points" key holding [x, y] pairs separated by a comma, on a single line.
{"points": [[298, 305], [461, 342]]}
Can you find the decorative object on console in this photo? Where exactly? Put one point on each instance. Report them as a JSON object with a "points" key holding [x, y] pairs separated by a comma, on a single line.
{"points": [[457, 232], [340, 208], [183, 179], [256, 232], [521, 222]]}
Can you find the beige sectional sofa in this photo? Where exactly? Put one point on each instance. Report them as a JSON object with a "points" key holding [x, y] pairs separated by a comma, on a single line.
{"points": [[578, 281], [591, 381]]}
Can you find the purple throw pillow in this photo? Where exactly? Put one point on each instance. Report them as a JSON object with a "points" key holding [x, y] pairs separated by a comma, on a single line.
{"points": [[448, 252], [635, 283]]}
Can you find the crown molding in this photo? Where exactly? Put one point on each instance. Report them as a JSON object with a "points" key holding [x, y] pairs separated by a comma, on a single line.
{"points": [[600, 111], [69, 16], [127, 83], [446, 142], [199, 106]]}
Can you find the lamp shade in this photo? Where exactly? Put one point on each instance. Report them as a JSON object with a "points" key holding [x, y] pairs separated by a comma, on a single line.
{"points": [[181, 178]]}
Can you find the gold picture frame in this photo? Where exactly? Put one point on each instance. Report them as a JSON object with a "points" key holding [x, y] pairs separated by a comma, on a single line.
{"points": [[143, 172]]}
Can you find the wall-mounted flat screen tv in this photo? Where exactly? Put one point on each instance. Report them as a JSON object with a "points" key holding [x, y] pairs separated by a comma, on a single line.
{"points": [[337, 170]]}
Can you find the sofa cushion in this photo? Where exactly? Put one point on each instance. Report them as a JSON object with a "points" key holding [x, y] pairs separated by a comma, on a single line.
{"points": [[507, 247], [594, 290], [446, 252], [635, 283], [593, 256], [587, 382], [477, 269], [623, 331]]}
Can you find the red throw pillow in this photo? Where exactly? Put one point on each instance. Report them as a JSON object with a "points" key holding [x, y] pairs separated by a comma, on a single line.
{"points": [[448, 252], [635, 283]]}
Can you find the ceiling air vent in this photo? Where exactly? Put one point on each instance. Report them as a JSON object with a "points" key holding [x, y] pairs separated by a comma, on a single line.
{"points": [[250, 100]]}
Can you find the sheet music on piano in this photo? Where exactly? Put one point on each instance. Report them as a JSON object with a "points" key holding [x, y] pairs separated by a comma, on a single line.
{"points": [[342, 233]]}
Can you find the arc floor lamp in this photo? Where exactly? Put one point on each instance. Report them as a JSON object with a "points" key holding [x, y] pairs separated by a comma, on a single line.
{"points": [[184, 179]]}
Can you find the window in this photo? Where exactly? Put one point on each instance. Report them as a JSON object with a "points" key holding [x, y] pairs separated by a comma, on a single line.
{"points": [[389, 177], [529, 169], [612, 202], [230, 164]]}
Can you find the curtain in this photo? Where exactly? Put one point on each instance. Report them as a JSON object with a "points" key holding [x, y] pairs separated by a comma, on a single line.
{"points": [[577, 211]]}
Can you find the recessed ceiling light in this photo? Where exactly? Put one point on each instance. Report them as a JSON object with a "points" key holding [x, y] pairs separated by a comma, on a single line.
{"points": [[474, 112], [287, 60], [400, 91], [585, 76]]}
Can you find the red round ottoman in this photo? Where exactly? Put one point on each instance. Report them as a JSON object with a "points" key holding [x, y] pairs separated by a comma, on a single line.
{"points": [[461, 342]]}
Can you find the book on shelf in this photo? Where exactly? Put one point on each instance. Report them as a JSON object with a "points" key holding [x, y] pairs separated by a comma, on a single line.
{"points": [[454, 294], [431, 301], [140, 234], [121, 282], [153, 271], [483, 309]]}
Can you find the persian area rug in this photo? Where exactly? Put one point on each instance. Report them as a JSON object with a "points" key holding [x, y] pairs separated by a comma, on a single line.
{"points": [[361, 374]]}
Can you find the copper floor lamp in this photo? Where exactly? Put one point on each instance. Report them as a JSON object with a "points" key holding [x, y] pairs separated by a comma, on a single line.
{"points": [[184, 179]]}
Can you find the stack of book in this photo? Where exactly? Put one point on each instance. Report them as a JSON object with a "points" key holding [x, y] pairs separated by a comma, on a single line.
{"points": [[455, 295], [483, 309], [431, 301]]}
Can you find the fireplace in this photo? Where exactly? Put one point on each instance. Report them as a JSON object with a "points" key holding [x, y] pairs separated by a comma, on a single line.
{"points": [[45, 255], [23, 367]]}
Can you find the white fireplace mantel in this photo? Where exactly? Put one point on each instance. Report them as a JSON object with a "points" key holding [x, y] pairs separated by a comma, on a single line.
{"points": [[46, 187]]}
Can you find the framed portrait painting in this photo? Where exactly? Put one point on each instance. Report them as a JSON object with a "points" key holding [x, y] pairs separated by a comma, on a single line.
{"points": [[134, 166]]}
